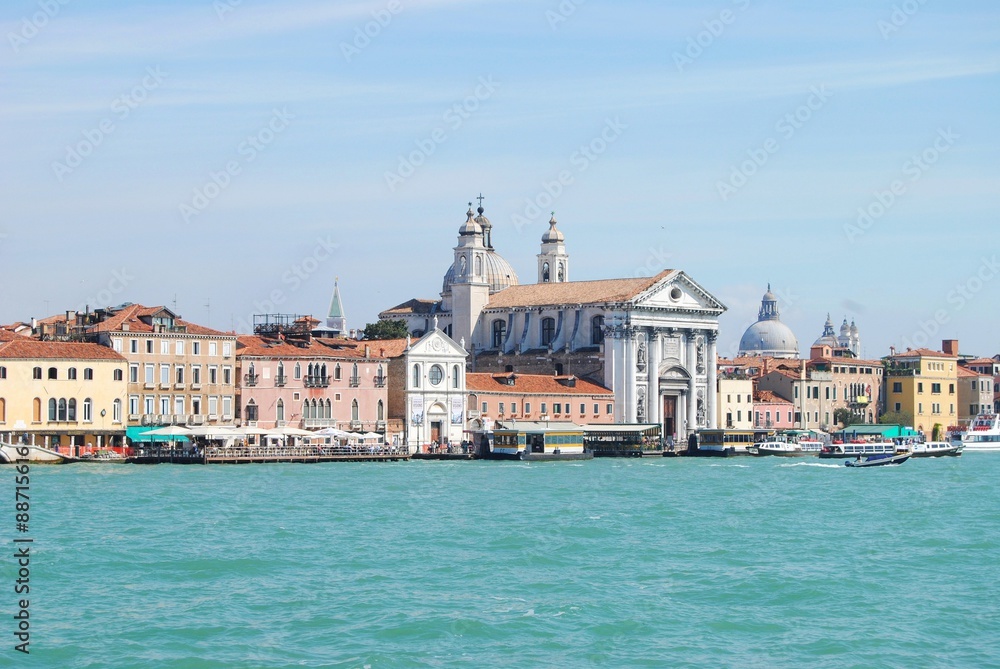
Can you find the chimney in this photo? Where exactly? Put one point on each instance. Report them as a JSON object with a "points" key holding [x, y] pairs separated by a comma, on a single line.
{"points": [[368, 351], [949, 347]]}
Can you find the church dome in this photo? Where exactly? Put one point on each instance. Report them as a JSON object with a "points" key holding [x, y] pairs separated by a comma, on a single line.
{"points": [[769, 336], [497, 272], [828, 338]]}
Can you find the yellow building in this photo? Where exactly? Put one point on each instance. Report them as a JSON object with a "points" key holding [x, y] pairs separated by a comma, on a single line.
{"points": [[923, 383], [61, 394]]}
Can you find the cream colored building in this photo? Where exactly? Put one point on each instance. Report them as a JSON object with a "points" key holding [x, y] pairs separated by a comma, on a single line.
{"points": [[64, 395], [735, 402]]}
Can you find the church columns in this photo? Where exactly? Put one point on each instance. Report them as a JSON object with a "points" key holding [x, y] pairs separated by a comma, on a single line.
{"points": [[630, 380], [654, 405], [712, 391], [692, 392]]}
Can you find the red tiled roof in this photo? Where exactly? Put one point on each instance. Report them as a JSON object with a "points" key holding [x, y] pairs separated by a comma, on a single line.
{"points": [[922, 353], [980, 361], [966, 373], [537, 384], [769, 396], [414, 306], [573, 292], [133, 315], [24, 348], [252, 345]]}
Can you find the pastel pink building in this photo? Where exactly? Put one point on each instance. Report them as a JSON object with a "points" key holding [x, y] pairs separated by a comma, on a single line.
{"points": [[289, 378], [772, 411]]}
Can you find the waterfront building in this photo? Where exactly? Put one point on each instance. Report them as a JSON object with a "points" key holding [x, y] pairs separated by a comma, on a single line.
{"points": [[922, 383], [975, 393], [504, 396], [772, 411], [651, 340], [735, 396], [989, 367], [67, 396], [289, 378], [769, 337]]}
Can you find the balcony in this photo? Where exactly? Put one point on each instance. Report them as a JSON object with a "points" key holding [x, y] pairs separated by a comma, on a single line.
{"points": [[280, 380], [251, 380], [317, 381], [379, 381], [354, 381]]}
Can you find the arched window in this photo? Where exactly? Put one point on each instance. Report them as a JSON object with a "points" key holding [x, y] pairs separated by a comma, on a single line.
{"points": [[545, 272], [306, 412], [281, 372], [280, 408], [479, 265], [561, 273], [53, 415], [36, 410], [88, 410], [71, 412], [309, 372], [355, 410], [119, 375], [3, 372], [336, 372], [355, 380], [322, 373], [329, 410], [71, 373], [36, 373], [416, 376], [116, 411], [380, 415], [88, 374], [499, 332], [251, 411], [456, 375], [53, 373], [251, 369], [596, 330], [548, 330], [3, 409], [298, 371], [461, 266], [62, 409]]}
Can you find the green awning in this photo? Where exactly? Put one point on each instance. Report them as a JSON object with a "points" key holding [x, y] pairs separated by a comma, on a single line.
{"points": [[138, 434]]}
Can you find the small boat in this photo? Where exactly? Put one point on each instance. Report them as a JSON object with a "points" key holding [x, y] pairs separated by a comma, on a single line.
{"points": [[880, 459], [777, 445], [983, 434], [13, 453], [936, 449]]}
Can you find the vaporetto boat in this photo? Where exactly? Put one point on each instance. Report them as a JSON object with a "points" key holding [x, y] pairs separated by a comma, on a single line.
{"points": [[858, 448], [983, 433]]}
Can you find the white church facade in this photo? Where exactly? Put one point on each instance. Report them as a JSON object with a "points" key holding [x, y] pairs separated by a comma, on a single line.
{"points": [[651, 340]]}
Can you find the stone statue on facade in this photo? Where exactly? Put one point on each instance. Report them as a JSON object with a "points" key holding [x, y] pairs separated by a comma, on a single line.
{"points": [[701, 356], [640, 356]]}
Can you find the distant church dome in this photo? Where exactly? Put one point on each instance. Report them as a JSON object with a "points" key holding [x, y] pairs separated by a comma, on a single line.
{"points": [[769, 336], [829, 337], [553, 234]]}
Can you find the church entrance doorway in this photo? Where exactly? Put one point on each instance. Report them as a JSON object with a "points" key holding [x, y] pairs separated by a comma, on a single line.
{"points": [[436, 431], [669, 417]]}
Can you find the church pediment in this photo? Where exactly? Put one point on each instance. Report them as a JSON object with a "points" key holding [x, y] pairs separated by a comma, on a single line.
{"points": [[679, 291], [436, 344]]}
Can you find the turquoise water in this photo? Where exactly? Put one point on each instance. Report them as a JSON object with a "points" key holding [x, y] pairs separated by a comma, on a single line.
{"points": [[613, 563]]}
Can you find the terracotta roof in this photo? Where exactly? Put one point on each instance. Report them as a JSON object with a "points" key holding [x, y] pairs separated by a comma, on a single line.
{"points": [[922, 353], [252, 345], [766, 396], [573, 292], [23, 348], [133, 314], [967, 373], [415, 306], [980, 361], [537, 384]]}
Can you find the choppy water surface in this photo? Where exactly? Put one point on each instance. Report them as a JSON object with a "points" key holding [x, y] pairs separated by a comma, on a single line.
{"points": [[620, 563]]}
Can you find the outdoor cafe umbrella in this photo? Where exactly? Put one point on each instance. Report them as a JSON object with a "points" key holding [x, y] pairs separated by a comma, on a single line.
{"points": [[171, 431]]}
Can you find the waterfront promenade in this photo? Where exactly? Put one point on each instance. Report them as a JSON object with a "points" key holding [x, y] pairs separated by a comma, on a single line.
{"points": [[262, 454]]}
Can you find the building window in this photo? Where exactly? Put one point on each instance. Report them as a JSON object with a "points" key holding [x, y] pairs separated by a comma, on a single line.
{"points": [[196, 348], [379, 411], [213, 349], [63, 413], [920, 387], [455, 376], [36, 373], [557, 407], [610, 409], [88, 374], [500, 409], [336, 372], [53, 373], [416, 376], [133, 404], [196, 374], [597, 409], [116, 411], [513, 408], [36, 410], [52, 409], [951, 388], [435, 375], [545, 408], [164, 405], [583, 408], [117, 375], [178, 348], [297, 374], [596, 330], [485, 408], [133, 345], [280, 409], [527, 408], [88, 410], [545, 272], [227, 375], [149, 346], [936, 388], [499, 332], [164, 347], [164, 375], [179, 374], [71, 373], [548, 330], [227, 349], [897, 386], [179, 405]]}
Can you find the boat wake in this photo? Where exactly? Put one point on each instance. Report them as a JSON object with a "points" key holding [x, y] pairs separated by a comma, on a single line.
{"points": [[809, 464]]}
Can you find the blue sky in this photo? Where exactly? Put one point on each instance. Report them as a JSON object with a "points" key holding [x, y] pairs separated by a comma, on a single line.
{"points": [[239, 155]]}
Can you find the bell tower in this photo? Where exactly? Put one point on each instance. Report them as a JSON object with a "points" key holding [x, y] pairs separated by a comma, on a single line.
{"points": [[553, 261]]}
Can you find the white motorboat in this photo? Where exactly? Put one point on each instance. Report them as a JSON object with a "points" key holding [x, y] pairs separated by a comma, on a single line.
{"points": [[983, 433], [936, 449], [12, 453]]}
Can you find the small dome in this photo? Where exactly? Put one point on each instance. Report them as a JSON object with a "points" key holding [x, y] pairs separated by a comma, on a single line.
{"points": [[470, 227], [829, 337], [854, 329], [553, 234], [845, 328]]}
